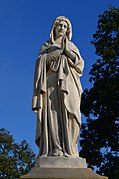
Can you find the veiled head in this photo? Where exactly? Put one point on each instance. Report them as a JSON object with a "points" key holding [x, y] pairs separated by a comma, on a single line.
{"points": [[57, 21]]}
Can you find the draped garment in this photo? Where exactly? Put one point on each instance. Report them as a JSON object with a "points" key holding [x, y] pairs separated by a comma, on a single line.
{"points": [[56, 101]]}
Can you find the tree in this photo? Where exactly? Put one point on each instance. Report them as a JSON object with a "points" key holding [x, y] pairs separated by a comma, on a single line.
{"points": [[100, 104], [15, 159]]}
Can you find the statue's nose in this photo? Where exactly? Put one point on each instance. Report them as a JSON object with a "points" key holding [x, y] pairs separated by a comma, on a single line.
{"points": [[62, 27]]}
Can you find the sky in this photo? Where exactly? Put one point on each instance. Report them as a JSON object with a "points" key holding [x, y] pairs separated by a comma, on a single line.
{"points": [[24, 26]]}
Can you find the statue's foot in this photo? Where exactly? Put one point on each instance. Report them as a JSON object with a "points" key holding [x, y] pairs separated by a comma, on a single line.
{"points": [[67, 155], [57, 153]]}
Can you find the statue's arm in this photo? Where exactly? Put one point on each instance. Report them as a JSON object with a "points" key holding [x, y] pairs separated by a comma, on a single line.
{"points": [[35, 91], [71, 55], [52, 52], [74, 57], [67, 47]]}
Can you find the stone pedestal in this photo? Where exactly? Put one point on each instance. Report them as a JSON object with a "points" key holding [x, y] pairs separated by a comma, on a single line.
{"points": [[61, 162], [61, 168]]}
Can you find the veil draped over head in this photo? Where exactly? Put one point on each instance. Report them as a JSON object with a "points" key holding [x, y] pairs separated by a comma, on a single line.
{"points": [[56, 22]]}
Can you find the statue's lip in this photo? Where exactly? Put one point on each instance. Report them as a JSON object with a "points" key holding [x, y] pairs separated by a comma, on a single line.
{"points": [[61, 31]]}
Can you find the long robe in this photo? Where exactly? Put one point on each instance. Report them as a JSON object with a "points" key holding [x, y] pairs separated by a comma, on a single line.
{"points": [[56, 101]]}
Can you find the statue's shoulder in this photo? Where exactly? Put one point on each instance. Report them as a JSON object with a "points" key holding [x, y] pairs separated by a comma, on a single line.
{"points": [[73, 46], [45, 46], [43, 50]]}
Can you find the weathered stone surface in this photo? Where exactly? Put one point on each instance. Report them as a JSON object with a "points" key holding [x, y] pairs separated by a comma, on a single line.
{"points": [[61, 162], [56, 101], [62, 173], [57, 92], [61, 168]]}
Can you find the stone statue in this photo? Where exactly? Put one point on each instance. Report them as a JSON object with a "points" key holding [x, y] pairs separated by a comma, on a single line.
{"points": [[57, 93], [56, 101]]}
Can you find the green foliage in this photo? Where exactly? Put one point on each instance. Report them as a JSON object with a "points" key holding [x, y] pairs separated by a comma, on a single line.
{"points": [[15, 159], [106, 42], [100, 104]]}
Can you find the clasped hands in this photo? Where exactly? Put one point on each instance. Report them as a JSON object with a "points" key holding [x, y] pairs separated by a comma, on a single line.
{"points": [[64, 45], [54, 51]]}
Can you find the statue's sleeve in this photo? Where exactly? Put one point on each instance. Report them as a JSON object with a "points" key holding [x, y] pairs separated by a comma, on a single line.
{"points": [[35, 90], [78, 65], [39, 86]]}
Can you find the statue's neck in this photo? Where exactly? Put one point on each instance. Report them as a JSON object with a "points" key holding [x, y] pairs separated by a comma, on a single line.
{"points": [[58, 40]]}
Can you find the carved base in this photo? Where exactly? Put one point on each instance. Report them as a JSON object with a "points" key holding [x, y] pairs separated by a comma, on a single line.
{"points": [[61, 168], [61, 162]]}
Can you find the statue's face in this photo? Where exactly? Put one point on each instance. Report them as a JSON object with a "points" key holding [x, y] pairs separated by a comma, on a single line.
{"points": [[61, 29]]}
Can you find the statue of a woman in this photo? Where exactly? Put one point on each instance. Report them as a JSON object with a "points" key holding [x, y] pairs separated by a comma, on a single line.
{"points": [[57, 93]]}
